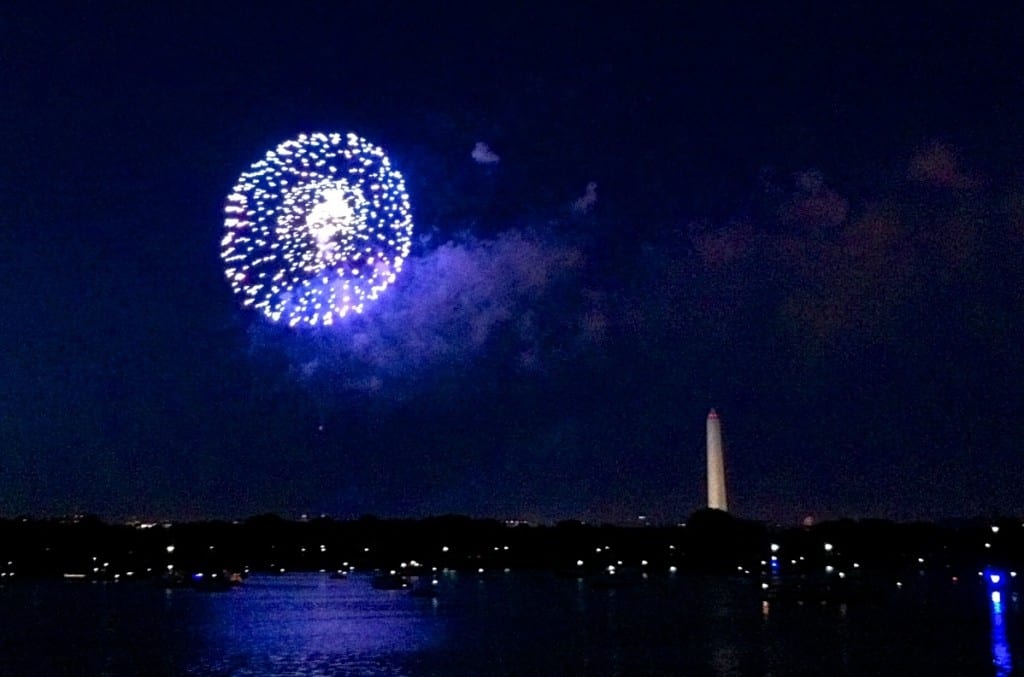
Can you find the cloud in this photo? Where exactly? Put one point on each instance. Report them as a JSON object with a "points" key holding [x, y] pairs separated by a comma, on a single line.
{"points": [[586, 202], [449, 304], [939, 166], [483, 154], [855, 286], [720, 248], [814, 205], [842, 273]]}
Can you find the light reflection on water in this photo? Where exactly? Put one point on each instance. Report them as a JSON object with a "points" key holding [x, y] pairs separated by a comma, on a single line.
{"points": [[1001, 656], [310, 624], [307, 624]]}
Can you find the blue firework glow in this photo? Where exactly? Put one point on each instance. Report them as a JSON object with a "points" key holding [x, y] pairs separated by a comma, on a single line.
{"points": [[316, 230]]}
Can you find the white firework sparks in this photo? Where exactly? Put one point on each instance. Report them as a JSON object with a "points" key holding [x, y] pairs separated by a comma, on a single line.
{"points": [[316, 229]]}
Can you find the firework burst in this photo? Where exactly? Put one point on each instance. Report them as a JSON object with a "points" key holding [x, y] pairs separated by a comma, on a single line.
{"points": [[316, 230]]}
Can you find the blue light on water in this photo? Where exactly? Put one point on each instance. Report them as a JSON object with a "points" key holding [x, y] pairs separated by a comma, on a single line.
{"points": [[1002, 660]]}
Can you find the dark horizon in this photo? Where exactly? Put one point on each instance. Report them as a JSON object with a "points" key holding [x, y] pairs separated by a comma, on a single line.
{"points": [[969, 522], [810, 218]]}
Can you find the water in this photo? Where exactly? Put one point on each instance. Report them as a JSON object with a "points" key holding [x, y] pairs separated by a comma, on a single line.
{"points": [[512, 624]]}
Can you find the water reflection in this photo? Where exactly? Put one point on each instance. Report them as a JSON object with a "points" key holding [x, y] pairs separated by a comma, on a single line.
{"points": [[1001, 657], [302, 624], [727, 632], [283, 624]]}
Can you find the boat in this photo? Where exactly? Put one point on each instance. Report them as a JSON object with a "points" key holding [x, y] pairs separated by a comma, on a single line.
{"points": [[217, 581]]}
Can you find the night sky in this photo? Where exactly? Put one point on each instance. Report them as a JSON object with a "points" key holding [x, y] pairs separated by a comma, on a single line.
{"points": [[810, 217]]}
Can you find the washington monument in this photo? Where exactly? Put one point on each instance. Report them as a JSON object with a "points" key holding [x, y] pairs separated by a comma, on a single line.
{"points": [[716, 465]]}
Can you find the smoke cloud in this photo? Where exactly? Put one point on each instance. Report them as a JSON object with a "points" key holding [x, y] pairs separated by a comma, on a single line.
{"points": [[587, 201], [447, 308], [483, 154], [939, 166], [842, 271]]}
